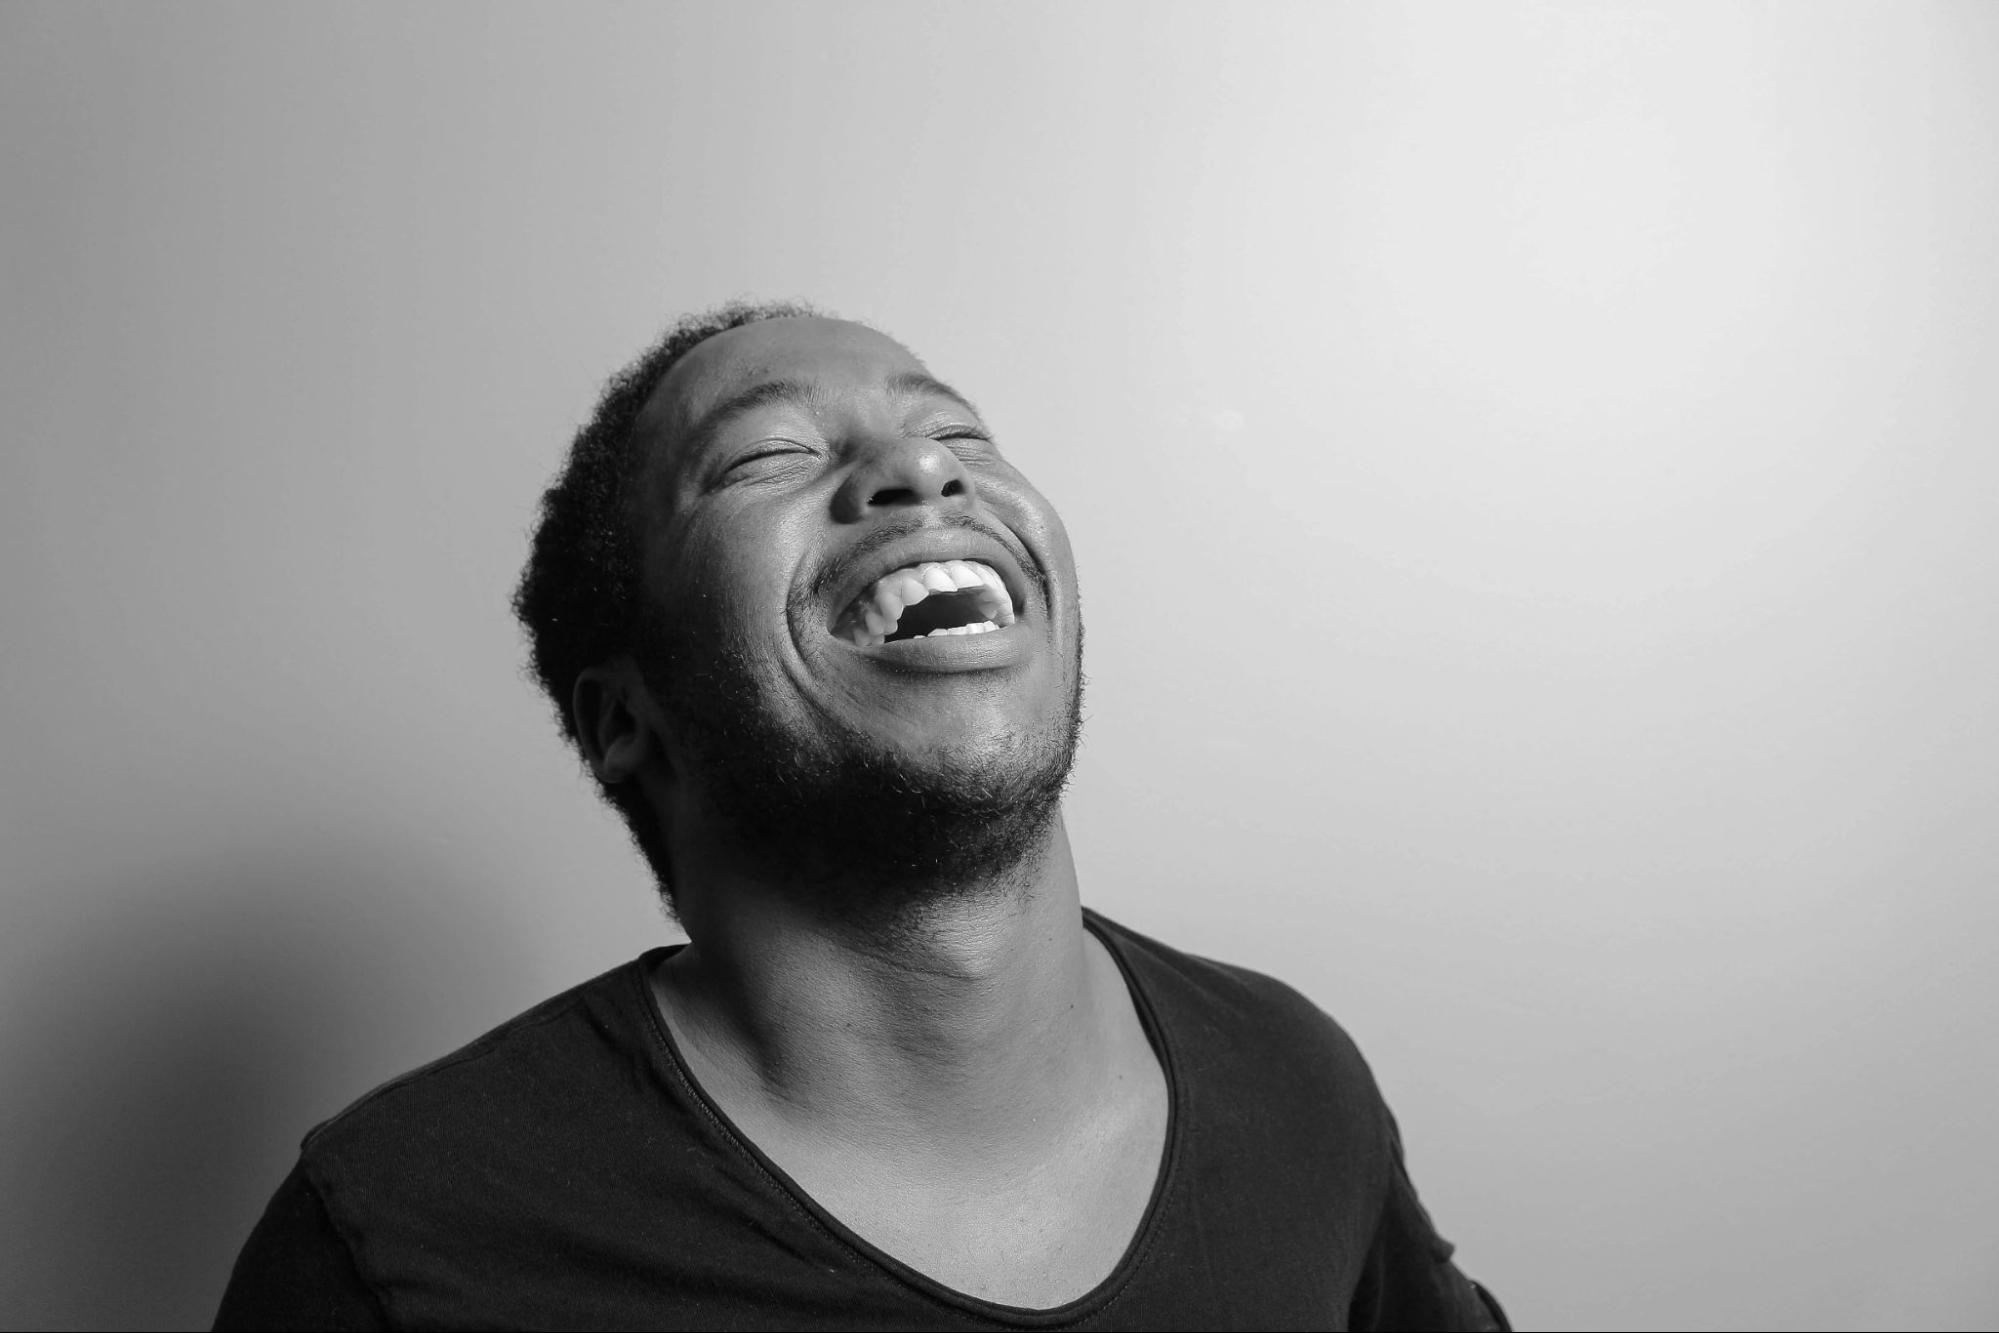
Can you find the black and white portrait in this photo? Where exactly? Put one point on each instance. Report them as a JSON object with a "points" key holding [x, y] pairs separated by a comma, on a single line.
{"points": [[875, 664]]}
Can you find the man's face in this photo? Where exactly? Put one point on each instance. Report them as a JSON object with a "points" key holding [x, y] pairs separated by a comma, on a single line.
{"points": [[818, 507]]}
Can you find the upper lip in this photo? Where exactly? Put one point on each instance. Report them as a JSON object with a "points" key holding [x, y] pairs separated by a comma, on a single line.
{"points": [[923, 545]]}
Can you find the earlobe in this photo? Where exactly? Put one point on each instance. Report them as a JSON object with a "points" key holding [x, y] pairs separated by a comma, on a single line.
{"points": [[613, 723]]}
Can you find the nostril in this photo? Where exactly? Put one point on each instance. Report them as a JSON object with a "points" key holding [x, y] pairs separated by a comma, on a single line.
{"points": [[927, 488]]}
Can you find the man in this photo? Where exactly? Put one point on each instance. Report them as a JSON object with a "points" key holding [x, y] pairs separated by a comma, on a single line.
{"points": [[819, 642]]}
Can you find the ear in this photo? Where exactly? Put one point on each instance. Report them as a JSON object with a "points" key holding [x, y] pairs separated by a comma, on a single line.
{"points": [[614, 720]]}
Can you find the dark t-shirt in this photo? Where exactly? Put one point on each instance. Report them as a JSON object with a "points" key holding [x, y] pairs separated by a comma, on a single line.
{"points": [[564, 1171]]}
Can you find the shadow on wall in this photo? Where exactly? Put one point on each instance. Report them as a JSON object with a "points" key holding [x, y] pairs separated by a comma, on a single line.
{"points": [[167, 1046]]}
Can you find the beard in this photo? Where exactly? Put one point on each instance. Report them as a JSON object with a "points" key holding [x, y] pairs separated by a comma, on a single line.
{"points": [[867, 835]]}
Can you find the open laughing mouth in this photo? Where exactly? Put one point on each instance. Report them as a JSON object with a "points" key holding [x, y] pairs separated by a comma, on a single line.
{"points": [[928, 600]]}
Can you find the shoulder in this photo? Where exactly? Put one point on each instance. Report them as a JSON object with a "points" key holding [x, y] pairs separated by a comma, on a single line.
{"points": [[550, 1058], [1227, 1021], [1226, 995], [1284, 1141]]}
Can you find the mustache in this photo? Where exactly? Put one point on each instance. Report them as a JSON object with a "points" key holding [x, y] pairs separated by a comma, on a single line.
{"points": [[895, 530]]}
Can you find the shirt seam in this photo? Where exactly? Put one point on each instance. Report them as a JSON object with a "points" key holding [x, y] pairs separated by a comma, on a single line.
{"points": [[323, 1200]]}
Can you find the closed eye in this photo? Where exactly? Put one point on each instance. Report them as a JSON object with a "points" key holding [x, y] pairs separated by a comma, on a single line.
{"points": [[966, 441], [766, 455], [762, 454]]}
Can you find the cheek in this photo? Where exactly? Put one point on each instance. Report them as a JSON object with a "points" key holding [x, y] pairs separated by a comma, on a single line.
{"points": [[1038, 523], [731, 574]]}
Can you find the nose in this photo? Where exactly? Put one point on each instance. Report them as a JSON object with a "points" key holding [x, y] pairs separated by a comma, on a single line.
{"points": [[902, 473]]}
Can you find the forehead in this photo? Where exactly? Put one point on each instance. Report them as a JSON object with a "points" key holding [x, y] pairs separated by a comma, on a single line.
{"points": [[832, 354]]}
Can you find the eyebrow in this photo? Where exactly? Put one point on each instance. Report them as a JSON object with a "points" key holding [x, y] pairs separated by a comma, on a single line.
{"points": [[741, 403], [767, 393]]}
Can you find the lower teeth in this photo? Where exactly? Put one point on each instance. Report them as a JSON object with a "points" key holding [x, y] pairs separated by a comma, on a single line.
{"points": [[863, 637]]}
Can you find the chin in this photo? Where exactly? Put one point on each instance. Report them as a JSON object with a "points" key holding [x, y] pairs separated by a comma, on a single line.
{"points": [[878, 812], [958, 752]]}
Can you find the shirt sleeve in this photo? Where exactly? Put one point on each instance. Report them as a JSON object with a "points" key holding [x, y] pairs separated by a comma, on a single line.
{"points": [[296, 1272], [1408, 1280]]}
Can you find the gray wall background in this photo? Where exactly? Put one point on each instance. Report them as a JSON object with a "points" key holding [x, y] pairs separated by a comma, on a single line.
{"points": [[1533, 472]]}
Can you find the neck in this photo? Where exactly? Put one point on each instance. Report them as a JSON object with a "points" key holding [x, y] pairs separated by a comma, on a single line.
{"points": [[974, 1016]]}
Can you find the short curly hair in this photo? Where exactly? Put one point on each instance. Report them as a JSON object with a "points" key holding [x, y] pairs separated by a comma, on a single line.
{"points": [[578, 594]]}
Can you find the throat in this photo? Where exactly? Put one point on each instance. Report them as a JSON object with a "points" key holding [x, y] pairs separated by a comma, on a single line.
{"points": [[1028, 1200]]}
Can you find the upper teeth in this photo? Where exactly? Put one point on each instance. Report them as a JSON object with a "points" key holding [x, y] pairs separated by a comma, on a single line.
{"points": [[876, 613]]}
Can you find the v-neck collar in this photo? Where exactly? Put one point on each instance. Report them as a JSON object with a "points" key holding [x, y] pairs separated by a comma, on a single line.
{"points": [[1133, 1259]]}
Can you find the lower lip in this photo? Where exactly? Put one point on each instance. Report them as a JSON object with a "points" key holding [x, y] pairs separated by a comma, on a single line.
{"points": [[941, 653]]}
